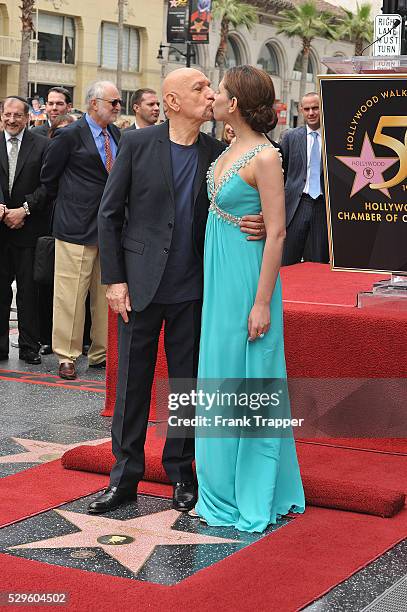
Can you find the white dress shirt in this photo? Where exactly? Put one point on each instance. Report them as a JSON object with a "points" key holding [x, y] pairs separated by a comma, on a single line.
{"points": [[310, 140]]}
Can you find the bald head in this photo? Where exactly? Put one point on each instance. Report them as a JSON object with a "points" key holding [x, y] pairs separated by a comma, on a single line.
{"points": [[180, 78], [185, 88]]}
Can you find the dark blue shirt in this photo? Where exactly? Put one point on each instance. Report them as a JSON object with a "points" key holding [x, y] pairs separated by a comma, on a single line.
{"points": [[183, 276]]}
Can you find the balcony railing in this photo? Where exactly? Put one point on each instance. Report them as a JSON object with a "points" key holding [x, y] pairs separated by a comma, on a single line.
{"points": [[10, 47]]}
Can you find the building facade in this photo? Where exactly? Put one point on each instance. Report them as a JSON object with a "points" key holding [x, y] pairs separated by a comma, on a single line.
{"points": [[263, 47], [75, 43]]}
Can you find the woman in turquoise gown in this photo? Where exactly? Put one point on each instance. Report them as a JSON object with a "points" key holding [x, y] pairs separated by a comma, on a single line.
{"points": [[244, 482]]}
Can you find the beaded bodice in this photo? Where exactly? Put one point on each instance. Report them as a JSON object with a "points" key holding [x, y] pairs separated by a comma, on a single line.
{"points": [[220, 204]]}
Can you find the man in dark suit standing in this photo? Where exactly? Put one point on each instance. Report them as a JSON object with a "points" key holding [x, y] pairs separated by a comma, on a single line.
{"points": [[146, 108], [77, 164], [307, 234], [25, 219], [59, 102], [151, 235]]}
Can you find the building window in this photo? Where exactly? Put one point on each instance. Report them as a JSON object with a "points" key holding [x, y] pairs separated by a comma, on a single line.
{"points": [[56, 38], [268, 59], [175, 57], [233, 56], [297, 69], [126, 97], [108, 47]]}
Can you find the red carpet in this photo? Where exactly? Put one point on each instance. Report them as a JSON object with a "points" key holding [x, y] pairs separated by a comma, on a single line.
{"points": [[321, 340], [48, 485], [333, 478], [282, 572], [314, 283]]}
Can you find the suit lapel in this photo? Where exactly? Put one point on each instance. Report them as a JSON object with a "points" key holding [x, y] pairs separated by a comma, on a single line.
{"points": [[204, 158], [89, 142], [4, 155], [303, 146], [164, 153], [27, 144], [114, 132]]}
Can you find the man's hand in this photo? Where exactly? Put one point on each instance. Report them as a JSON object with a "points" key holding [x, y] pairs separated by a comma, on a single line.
{"points": [[118, 299], [15, 217], [253, 225], [3, 209]]}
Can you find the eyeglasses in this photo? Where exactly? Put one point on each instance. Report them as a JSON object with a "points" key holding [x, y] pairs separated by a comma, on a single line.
{"points": [[114, 102], [13, 115]]}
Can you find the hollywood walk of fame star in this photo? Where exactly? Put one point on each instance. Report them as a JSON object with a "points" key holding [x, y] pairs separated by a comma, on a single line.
{"points": [[130, 542], [173, 3], [367, 167], [42, 451]]}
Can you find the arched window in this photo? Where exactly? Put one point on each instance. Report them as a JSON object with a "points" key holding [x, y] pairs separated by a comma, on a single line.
{"points": [[176, 58], [268, 59], [233, 56], [297, 68]]}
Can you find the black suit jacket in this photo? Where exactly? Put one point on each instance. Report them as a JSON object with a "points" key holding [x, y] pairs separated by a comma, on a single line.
{"points": [[130, 128], [75, 177], [42, 130], [136, 215], [294, 148], [26, 188]]}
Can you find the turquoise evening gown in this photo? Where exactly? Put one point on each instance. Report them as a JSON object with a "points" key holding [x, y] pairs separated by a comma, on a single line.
{"points": [[243, 482]]}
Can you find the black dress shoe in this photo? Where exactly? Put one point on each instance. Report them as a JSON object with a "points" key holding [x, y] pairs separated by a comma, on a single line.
{"points": [[46, 349], [111, 499], [30, 357], [185, 496]]}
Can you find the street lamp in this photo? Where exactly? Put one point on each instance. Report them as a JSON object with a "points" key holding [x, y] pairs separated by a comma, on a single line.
{"points": [[187, 55]]}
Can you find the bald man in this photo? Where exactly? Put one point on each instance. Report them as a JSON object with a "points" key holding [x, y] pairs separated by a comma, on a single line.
{"points": [[151, 237]]}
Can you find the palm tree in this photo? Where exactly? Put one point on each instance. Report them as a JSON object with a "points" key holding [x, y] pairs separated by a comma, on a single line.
{"points": [[306, 22], [27, 9], [358, 26], [230, 13]]}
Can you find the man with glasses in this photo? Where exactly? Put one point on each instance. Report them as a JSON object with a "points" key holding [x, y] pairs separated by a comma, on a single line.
{"points": [[24, 219], [59, 102], [76, 168]]}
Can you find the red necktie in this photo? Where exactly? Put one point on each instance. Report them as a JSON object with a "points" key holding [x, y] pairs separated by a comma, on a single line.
{"points": [[108, 151]]}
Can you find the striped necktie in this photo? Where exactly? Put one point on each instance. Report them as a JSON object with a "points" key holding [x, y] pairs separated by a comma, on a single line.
{"points": [[108, 150], [12, 163]]}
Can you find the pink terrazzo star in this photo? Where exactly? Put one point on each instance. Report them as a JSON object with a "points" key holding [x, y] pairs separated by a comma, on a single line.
{"points": [[368, 167], [131, 542], [41, 451]]}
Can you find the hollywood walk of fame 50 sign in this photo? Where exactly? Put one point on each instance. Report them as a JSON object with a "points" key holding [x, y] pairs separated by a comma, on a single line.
{"points": [[365, 165]]}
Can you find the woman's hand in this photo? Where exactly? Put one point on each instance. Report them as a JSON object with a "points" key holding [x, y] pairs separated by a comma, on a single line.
{"points": [[259, 320]]}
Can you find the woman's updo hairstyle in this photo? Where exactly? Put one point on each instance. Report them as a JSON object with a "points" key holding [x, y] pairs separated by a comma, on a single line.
{"points": [[254, 91]]}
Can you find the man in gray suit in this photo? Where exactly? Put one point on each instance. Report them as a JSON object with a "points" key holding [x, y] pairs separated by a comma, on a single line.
{"points": [[307, 234]]}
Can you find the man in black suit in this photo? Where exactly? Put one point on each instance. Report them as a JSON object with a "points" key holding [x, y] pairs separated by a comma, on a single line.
{"points": [[77, 164], [59, 102], [25, 219], [307, 233], [146, 108], [151, 234]]}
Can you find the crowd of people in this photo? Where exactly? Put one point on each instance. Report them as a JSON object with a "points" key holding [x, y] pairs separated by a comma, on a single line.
{"points": [[128, 209]]}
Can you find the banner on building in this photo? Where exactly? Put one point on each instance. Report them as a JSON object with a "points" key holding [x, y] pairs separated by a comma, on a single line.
{"points": [[177, 21], [365, 164], [199, 20]]}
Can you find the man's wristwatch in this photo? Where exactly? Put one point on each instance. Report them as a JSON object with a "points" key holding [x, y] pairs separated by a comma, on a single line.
{"points": [[26, 208]]}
